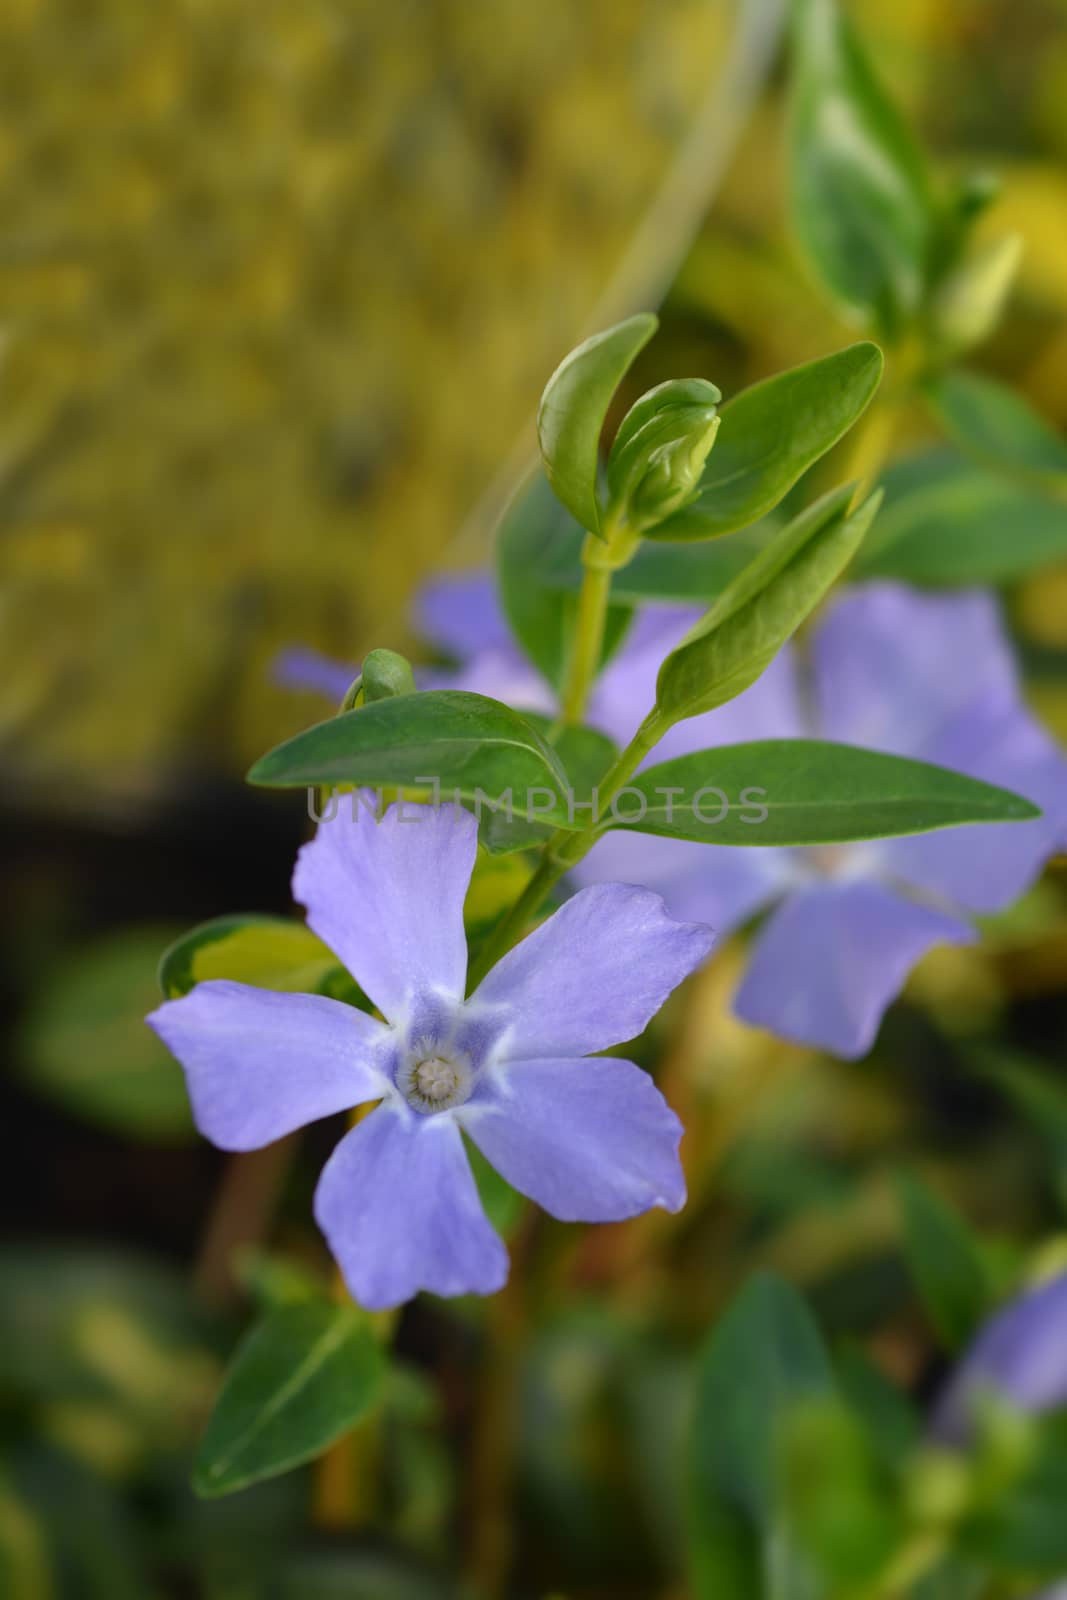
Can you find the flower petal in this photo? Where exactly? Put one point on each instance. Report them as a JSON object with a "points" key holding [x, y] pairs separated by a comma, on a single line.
{"points": [[893, 667], [461, 614], [502, 674], [399, 1208], [387, 897], [987, 867], [259, 1064], [720, 885], [298, 668], [934, 677], [1020, 1354], [832, 957], [589, 1140], [594, 974]]}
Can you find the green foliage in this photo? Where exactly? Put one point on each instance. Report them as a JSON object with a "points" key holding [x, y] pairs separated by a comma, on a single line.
{"points": [[805, 792], [465, 741], [861, 202], [946, 1262], [842, 1511], [84, 1045], [1000, 429], [970, 299], [537, 556], [304, 1376], [763, 1359], [270, 952], [770, 435], [575, 403], [754, 616], [947, 522]]}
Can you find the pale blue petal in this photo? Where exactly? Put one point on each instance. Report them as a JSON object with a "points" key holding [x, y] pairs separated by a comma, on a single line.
{"points": [[461, 614], [259, 1064], [594, 974], [717, 884], [591, 1140], [831, 959], [987, 867], [298, 668], [400, 1211], [387, 897], [1020, 1354], [894, 666]]}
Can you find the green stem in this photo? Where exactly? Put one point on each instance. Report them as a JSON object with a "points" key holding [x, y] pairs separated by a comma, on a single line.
{"points": [[602, 555], [588, 643], [563, 850]]}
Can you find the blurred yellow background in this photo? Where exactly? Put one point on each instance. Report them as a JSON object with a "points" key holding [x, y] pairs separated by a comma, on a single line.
{"points": [[280, 284]]}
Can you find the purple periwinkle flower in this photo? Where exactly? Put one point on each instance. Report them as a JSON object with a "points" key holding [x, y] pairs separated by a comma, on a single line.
{"points": [[1020, 1356], [922, 675], [590, 1138], [462, 617]]}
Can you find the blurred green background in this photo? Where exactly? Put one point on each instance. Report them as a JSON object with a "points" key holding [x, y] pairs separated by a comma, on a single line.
{"points": [[280, 284]]}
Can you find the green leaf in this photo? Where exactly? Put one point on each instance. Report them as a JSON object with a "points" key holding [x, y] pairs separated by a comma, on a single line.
{"points": [[859, 189], [586, 754], [764, 1358], [538, 557], [770, 435], [573, 408], [303, 1377], [754, 616], [803, 792], [466, 742], [969, 299], [1022, 1528], [946, 1262], [83, 1041], [842, 1509], [342, 1574], [1000, 428], [948, 523], [270, 952]]}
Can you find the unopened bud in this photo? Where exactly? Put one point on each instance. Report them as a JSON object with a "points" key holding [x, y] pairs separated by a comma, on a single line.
{"points": [[659, 452], [386, 674]]}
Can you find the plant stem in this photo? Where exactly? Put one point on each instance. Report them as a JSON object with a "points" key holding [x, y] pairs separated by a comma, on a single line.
{"points": [[492, 1456], [562, 851], [587, 646], [602, 555], [240, 1216]]}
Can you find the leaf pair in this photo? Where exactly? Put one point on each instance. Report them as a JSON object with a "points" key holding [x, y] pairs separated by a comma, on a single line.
{"points": [[813, 792], [679, 469]]}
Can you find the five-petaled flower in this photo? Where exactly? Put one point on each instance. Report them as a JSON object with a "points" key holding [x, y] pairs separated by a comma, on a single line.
{"points": [[922, 675], [590, 1138]]}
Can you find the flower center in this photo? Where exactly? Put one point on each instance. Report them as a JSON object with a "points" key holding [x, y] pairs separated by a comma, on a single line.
{"points": [[434, 1077]]}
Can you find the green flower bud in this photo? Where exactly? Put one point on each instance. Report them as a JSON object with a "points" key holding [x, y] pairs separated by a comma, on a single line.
{"points": [[656, 462], [385, 675]]}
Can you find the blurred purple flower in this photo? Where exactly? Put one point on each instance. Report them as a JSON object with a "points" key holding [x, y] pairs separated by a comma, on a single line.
{"points": [[590, 1139], [462, 617], [1019, 1355], [927, 676]]}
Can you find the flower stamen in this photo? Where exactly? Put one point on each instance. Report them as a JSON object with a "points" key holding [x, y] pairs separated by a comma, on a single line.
{"points": [[434, 1077]]}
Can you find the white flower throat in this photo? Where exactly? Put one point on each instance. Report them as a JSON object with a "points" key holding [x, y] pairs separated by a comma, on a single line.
{"points": [[435, 1077]]}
